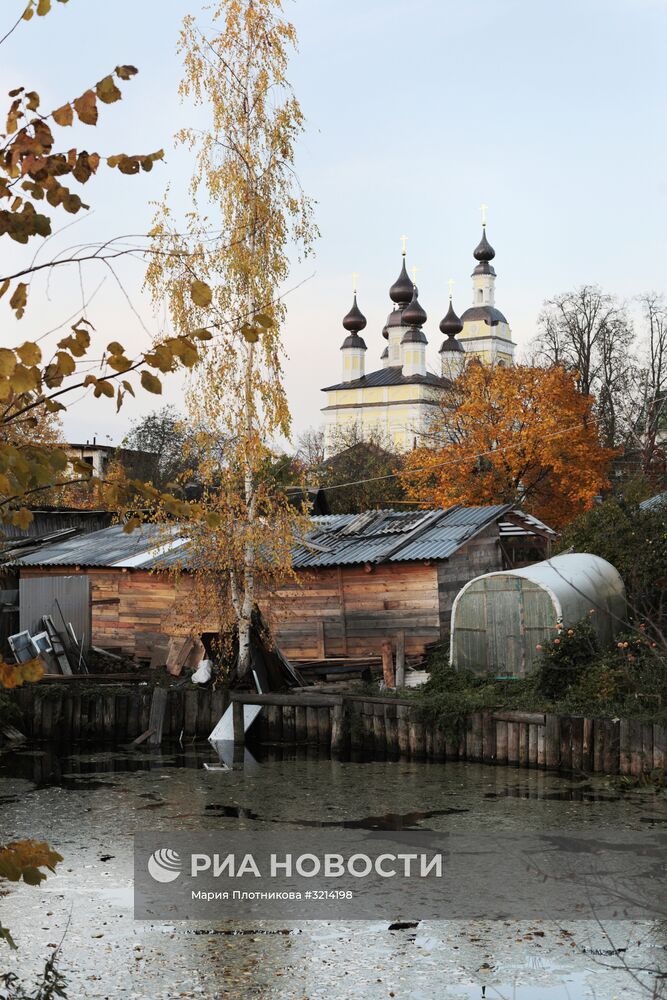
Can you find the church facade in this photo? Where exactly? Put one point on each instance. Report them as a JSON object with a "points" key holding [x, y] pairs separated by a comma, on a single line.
{"points": [[398, 400]]}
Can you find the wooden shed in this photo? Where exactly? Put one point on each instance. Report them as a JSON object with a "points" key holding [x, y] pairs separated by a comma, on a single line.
{"points": [[362, 578]]}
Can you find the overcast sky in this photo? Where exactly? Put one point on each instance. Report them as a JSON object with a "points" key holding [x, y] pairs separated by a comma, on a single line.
{"points": [[550, 113]]}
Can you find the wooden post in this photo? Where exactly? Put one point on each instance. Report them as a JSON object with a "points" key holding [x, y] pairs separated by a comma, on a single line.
{"points": [[356, 727], [647, 746], [379, 729], [501, 742], [338, 729], [416, 737], [542, 746], [488, 739], [577, 738], [552, 741], [300, 729], [403, 730], [625, 760], [324, 727], [158, 707], [660, 748], [439, 744], [474, 737], [566, 743], [289, 724], [391, 727], [311, 725], [636, 747], [513, 743], [588, 747], [523, 744], [612, 747], [388, 664], [400, 659], [532, 745], [238, 723], [190, 720], [598, 746]]}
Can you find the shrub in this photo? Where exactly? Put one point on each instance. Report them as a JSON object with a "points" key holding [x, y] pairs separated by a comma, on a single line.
{"points": [[565, 659]]}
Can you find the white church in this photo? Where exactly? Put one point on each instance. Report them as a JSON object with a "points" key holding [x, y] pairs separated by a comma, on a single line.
{"points": [[398, 399]]}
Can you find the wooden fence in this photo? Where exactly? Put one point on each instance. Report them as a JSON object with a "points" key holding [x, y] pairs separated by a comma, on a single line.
{"points": [[349, 725]]}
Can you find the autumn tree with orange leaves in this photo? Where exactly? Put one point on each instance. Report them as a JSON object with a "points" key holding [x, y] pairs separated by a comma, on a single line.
{"points": [[512, 435]]}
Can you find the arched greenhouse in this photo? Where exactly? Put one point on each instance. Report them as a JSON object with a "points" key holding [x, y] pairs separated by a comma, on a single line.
{"points": [[498, 619]]}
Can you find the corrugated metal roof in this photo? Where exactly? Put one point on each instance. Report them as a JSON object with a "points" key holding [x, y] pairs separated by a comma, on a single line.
{"points": [[107, 547], [336, 540], [391, 536], [654, 503]]}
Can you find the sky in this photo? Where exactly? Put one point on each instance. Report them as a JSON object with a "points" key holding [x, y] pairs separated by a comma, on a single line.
{"points": [[417, 112]]}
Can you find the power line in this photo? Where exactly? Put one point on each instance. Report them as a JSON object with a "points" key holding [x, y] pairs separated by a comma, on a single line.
{"points": [[439, 465]]}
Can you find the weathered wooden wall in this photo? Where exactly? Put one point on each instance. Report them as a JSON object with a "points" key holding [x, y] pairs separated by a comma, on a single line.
{"points": [[335, 612], [341, 724], [347, 611], [481, 555]]}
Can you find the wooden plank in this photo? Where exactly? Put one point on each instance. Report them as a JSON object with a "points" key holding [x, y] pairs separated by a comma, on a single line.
{"points": [[400, 658], [388, 664], [598, 746], [238, 723], [513, 743], [625, 759], [541, 746], [324, 726], [501, 741], [532, 744], [552, 741], [523, 744], [612, 747], [289, 723], [300, 730], [321, 641], [488, 739], [566, 743], [158, 707], [577, 738], [660, 748], [312, 725], [532, 718], [402, 716], [647, 746]]}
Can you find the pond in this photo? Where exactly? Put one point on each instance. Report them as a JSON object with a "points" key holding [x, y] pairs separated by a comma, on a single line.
{"points": [[88, 803]]}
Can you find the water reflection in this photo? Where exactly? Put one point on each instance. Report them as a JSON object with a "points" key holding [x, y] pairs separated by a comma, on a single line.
{"points": [[88, 802]]}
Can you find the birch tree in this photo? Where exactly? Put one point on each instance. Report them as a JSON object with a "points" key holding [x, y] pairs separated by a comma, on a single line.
{"points": [[247, 213]]}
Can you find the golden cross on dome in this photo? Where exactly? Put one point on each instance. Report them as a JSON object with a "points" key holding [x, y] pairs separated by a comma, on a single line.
{"points": [[483, 209], [355, 275], [404, 242], [450, 285]]}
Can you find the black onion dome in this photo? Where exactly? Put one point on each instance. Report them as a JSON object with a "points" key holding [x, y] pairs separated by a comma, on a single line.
{"points": [[484, 251], [355, 321], [451, 324], [401, 291], [413, 314]]}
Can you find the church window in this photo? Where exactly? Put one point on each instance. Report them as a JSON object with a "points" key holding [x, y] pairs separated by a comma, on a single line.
{"points": [[480, 295]]}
